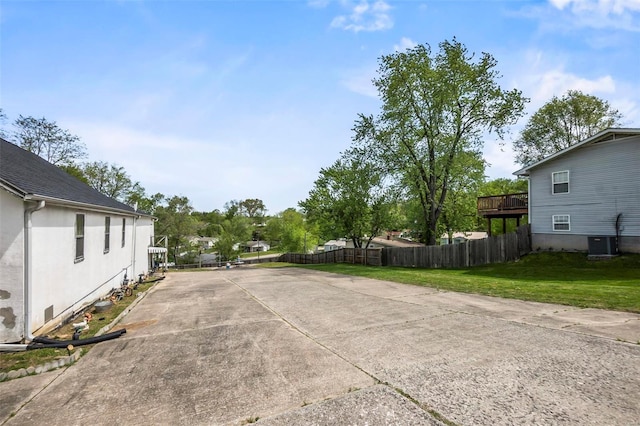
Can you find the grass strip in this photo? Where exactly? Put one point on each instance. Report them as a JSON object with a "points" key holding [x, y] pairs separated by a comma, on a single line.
{"points": [[562, 278]]}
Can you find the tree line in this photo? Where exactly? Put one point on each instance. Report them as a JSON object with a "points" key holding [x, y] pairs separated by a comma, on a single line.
{"points": [[417, 165]]}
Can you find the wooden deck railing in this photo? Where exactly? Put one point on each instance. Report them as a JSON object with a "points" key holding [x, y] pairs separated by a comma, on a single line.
{"points": [[503, 203]]}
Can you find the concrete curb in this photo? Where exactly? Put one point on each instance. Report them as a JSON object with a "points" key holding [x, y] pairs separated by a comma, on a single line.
{"points": [[51, 365], [117, 319]]}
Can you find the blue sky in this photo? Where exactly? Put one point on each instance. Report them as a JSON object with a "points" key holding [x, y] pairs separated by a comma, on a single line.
{"points": [[221, 100]]}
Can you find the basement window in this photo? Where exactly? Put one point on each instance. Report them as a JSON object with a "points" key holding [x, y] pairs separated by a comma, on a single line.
{"points": [[561, 222]]}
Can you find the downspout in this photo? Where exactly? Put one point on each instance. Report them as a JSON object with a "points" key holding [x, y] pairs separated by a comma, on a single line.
{"points": [[133, 243], [28, 281], [529, 199]]}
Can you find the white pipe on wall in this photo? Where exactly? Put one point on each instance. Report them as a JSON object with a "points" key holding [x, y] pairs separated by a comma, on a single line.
{"points": [[27, 268]]}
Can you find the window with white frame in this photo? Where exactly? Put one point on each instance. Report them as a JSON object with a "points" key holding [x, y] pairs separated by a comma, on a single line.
{"points": [[124, 231], [79, 233], [107, 233], [561, 222], [560, 182]]}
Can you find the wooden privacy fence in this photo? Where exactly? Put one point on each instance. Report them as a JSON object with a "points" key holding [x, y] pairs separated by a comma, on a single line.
{"points": [[501, 248], [371, 257]]}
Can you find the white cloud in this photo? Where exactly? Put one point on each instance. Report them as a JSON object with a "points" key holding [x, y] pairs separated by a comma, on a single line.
{"points": [[620, 14], [360, 81], [233, 160], [602, 7], [405, 43], [500, 156], [558, 82], [365, 16], [560, 4], [318, 3], [540, 78]]}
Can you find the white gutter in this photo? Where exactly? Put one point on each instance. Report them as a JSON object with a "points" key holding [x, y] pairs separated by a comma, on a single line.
{"points": [[76, 204], [133, 244]]}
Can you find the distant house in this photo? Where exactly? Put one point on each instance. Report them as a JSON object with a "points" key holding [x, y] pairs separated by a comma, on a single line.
{"points": [[62, 244], [461, 237], [256, 246], [204, 243], [335, 245], [587, 194], [382, 242]]}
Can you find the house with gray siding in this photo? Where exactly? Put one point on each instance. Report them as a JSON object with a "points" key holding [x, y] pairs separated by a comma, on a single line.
{"points": [[587, 192]]}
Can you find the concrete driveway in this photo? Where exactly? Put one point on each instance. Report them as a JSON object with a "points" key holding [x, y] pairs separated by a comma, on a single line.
{"points": [[289, 346]]}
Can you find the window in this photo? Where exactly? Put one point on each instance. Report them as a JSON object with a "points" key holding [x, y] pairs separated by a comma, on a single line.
{"points": [[560, 182], [124, 230], [561, 222], [79, 238], [107, 233]]}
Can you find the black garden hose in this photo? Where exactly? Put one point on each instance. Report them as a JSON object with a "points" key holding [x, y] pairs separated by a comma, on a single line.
{"points": [[43, 342]]}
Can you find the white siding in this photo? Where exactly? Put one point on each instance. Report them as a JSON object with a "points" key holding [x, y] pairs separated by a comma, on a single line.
{"points": [[11, 265], [604, 181]]}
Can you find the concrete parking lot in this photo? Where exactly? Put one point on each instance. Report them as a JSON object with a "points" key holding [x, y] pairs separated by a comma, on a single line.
{"points": [[290, 346]]}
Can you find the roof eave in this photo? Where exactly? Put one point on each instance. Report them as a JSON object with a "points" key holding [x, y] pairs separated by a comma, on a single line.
{"points": [[627, 131], [84, 206]]}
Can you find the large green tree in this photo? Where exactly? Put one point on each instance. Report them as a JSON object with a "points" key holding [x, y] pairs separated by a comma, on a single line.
{"points": [[233, 233], [291, 232], [175, 221], [145, 203], [350, 199], [3, 119], [502, 186], [211, 222], [563, 122], [46, 139], [253, 208], [436, 107], [110, 179], [460, 209]]}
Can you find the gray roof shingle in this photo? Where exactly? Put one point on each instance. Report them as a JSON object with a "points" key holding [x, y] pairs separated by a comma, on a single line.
{"points": [[29, 174]]}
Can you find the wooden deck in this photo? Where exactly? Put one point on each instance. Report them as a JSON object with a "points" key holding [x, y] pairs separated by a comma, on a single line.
{"points": [[507, 205]]}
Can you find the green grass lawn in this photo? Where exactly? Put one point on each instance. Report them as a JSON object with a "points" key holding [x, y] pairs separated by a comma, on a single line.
{"points": [[564, 278], [258, 254]]}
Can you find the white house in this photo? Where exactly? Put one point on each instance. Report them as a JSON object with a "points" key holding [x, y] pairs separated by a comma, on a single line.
{"points": [[204, 243], [256, 246], [587, 194], [335, 245], [461, 237], [62, 244]]}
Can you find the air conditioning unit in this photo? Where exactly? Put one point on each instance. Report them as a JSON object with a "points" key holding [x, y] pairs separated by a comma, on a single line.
{"points": [[603, 245]]}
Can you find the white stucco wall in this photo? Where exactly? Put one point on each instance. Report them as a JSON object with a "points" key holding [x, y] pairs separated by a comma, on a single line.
{"points": [[144, 234], [68, 285], [11, 267]]}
